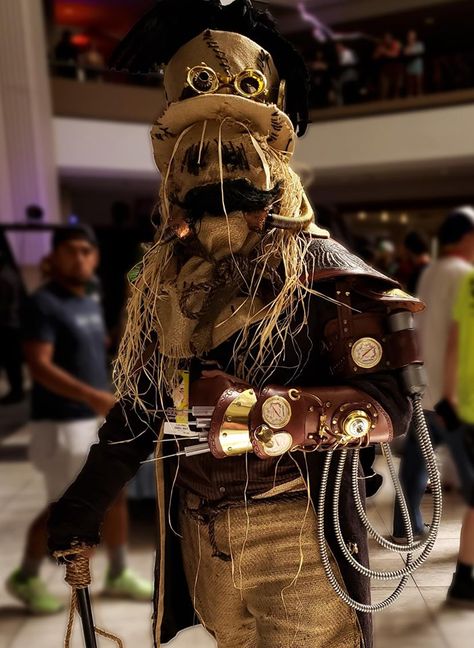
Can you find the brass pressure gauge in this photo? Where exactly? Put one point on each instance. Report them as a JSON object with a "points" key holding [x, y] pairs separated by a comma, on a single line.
{"points": [[273, 444], [276, 412]]}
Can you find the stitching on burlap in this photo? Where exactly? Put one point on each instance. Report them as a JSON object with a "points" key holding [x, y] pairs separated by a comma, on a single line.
{"points": [[220, 55], [262, 60]]}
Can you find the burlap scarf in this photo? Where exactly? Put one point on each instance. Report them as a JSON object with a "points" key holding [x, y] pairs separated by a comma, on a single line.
{"points": [[205, 300]]}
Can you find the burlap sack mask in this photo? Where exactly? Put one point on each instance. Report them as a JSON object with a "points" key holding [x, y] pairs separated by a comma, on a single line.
{"points": [[228, 55]]}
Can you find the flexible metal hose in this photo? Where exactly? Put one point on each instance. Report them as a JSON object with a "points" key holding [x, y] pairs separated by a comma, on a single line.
{"points": [[430, 461], [427, 545], [370, 573], [391, 546], [326, 561]]}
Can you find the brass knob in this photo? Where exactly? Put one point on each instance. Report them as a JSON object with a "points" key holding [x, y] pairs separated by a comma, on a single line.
{"points": [[264, 434], [356, 424]]}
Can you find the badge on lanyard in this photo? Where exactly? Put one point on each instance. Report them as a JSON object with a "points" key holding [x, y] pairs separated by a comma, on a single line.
{"points": [[181, 398], [180, 427]]}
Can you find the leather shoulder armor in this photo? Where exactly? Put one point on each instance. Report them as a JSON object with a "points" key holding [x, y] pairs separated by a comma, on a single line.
{"points": [[388, 297], [358, 340], [329, 259]]}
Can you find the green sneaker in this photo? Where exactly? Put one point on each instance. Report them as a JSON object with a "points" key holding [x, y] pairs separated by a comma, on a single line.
{"points": [[33, 593], [128, 585]]}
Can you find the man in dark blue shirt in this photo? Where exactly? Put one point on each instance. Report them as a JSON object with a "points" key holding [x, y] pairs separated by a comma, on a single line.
{"points": [[73, 325], [64, 337]]}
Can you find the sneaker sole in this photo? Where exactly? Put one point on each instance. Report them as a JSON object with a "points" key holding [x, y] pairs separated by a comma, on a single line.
{"points": [[124, 596], [9, 588]]}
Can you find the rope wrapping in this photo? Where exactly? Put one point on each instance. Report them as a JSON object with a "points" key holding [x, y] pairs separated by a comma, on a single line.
{"points": [[78, 576]]}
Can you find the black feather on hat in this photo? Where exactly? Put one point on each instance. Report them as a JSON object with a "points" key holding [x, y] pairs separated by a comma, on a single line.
{"points": [[160, 33]]}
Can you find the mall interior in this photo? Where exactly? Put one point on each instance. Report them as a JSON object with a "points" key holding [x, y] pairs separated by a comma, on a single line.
{"points": [[389, 153]]}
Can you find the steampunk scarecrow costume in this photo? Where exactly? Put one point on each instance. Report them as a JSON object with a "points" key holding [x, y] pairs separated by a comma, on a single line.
{"points": [[255, 343]]}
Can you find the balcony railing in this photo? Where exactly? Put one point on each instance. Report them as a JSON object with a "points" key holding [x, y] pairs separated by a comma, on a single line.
{"points": [[337, 92], [389, 79]]}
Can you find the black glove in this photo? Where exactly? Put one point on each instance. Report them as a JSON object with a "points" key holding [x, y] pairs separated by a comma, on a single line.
{"points": [[469, 441], [78, 515], [448, 414]]}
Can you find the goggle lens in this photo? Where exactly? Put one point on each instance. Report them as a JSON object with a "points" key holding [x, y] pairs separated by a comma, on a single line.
{"points": [[203, 79], [250, 83]]}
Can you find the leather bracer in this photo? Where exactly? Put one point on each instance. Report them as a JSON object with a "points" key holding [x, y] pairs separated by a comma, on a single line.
{"points": [[283, 419]]}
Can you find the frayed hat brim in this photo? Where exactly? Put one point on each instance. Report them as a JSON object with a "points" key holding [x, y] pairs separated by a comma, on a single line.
{"points": [[262, 119]]}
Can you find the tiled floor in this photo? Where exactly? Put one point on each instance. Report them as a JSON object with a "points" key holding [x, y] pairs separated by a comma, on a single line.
{"points": [[418, 620]]}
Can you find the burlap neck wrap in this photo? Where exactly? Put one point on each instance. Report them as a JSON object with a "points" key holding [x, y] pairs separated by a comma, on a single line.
{"points": [[206, 299]]}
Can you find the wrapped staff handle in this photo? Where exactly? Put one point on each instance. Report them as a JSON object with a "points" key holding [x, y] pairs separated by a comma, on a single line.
{"points": [[78, 577]]}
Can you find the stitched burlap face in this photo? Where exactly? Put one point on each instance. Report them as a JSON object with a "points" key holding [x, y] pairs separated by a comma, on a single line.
{"points": [[206, 140], [225, 52], [205, 300], [210, 152]]}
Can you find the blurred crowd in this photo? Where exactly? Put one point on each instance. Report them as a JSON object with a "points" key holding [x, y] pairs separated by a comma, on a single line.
{"points": [[344, 71], [388, 68], [446, 331], [85, 61]]}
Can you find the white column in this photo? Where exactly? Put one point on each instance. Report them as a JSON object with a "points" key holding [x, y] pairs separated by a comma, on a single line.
{"points": [[27, 162]]}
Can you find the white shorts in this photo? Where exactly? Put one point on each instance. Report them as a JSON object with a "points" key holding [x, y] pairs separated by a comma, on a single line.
{"points": [[59, 450]]}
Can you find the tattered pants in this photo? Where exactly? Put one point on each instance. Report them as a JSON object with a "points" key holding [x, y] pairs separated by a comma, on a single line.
{"points": [[255, 575]]}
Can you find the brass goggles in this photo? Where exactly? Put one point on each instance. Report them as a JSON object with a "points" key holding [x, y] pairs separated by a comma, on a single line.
{"points": [[249, 83]]}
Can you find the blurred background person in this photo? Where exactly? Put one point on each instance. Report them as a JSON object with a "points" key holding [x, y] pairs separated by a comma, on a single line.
{"points": [[414, 52], [437, 288], [348, 78], [385, 256], [66, 55], [64, 337], [417, 257], [11, 293], [458, 403], [92, 63], [320, 80], [390, 75]]}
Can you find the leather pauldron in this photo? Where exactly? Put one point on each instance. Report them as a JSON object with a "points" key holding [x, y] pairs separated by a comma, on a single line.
{"points": [[359, 343]]}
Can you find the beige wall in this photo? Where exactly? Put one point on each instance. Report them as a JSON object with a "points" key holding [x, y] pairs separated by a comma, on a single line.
{"points": [[418, 141], [424, 137], [27, 163]]}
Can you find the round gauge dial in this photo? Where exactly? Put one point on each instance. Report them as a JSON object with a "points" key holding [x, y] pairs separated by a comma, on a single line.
{"points": [[367, 353], [280, 443], [276, 412]]}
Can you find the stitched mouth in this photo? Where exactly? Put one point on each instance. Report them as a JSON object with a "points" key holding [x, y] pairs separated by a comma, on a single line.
{"points": [[236, 195]]}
